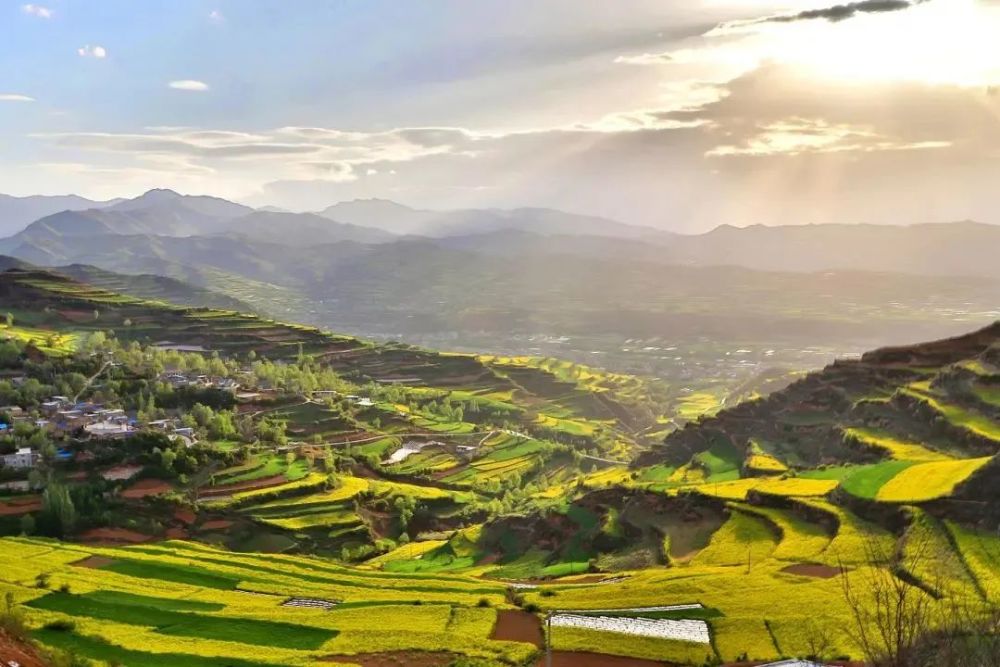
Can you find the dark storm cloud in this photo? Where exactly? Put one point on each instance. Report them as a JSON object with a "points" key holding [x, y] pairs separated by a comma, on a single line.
{"points": [[845, 11]]}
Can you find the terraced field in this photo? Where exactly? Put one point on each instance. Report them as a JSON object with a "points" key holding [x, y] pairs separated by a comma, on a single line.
{"points": [[454, 498]]}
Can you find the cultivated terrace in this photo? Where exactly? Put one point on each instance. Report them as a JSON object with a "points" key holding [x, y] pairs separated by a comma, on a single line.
{"points": [[189, 486]]}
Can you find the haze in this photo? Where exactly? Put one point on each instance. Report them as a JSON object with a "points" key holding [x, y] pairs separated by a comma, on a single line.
{"points": [[679, 115]]}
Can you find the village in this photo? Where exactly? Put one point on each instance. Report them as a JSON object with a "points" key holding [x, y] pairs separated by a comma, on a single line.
{"points": [[61, 418]]}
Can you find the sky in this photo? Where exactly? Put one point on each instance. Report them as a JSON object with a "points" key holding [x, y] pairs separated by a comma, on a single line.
{"points": [[679, 114]]}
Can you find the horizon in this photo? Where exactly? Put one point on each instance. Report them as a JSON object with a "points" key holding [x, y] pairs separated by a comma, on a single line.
{"points": [[265, 208], [737, 112]]}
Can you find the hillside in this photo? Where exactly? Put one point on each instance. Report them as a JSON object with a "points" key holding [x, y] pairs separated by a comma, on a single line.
{"points": [[871, 424], [461, 494]]}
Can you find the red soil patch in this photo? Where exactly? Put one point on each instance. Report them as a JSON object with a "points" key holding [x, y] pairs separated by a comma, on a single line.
{"points": [[216, 524], [176, 534], [17, 651], [582, 659], [18, 506], [518, 626], [812, 570], [113, 536], [94, 562], [145, 488], [396, 659], [185, 516], [225, 489]]}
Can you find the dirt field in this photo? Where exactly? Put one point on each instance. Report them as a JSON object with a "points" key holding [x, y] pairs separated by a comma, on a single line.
{"points": [[216, 524], [396, 659], [113, 536], [518, 626], [185, 516], [95, 562], [19, 506], [580, 659], [812, 570], [145, 488]]}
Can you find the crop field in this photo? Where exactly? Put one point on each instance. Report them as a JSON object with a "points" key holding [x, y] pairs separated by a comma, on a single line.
{"points": [[48, 341], [926, 481], [897, 448]]}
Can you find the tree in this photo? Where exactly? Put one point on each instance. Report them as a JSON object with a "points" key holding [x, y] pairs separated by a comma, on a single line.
{"points": [[891, 615], [58, 515], [10, 319]]}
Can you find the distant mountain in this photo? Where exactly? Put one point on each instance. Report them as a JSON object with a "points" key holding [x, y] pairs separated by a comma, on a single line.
{"points": [[16, 213], [302, 229], [960, 248], [400, 219], [379, 213]]}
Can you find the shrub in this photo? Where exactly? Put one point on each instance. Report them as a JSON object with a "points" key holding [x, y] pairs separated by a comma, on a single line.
{"points": [[61, 625]]}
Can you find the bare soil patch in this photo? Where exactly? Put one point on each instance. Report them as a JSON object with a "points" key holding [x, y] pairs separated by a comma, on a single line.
{"points": [[583, 659], [518, 626], [145, 488], [95, 562], [17, 506], [812, 570], [216, 524], [14, 651], [113, 536], [176, 534], [396, 659], [185, 516]]}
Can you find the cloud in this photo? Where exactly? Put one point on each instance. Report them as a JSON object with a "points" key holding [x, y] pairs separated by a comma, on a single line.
{"points": [[796, 136], [216, 16], [645, 59], [37, 11], [846, 11], [14, 97], [833, 14], [189, 84], [95, 51]]}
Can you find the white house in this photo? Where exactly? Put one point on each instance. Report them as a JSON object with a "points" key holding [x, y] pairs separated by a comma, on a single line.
{"points": [[23, 458]]}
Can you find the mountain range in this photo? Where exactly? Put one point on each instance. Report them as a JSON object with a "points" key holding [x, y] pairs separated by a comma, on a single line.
{"points": [[378, 267]]}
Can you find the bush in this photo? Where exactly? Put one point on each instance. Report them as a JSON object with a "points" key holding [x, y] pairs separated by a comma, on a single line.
{"points": [[483, 603], [61, 625]]}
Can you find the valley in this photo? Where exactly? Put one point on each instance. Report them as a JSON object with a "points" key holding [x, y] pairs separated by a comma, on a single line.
{"points": [[270, 490]]}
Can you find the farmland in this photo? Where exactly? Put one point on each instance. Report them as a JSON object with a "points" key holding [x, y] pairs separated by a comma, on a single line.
{"points": [[348, 486]]}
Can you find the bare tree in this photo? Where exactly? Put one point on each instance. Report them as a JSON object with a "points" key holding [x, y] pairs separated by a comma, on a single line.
{"points": [[891, 612]]}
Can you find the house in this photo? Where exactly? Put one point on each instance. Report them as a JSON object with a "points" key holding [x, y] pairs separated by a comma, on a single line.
{"points": [[365, 402], [177, 380], [44, 425], [109, 430], [324, 393], [22, 459], [51, 407], [12, 410], [227, 384]]}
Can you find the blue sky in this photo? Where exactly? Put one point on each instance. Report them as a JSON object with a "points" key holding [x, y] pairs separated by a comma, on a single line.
{"points": [[678, 114]]}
